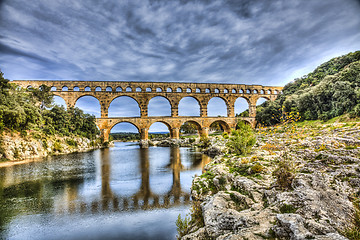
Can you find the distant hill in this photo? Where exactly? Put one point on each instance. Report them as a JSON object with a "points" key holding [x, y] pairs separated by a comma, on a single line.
{"points": [[331, 90]]}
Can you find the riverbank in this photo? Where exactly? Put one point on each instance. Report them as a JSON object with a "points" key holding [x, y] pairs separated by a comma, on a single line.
{"points": [[16, 149], [301, 181]]}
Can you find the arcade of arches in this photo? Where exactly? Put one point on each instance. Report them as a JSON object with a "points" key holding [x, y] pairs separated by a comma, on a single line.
{"points": [[142, 92]]}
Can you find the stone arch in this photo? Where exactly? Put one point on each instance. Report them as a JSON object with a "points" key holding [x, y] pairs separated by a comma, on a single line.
{"points": [[233, 90], [108, 89], [128, 89], [87, 89], [131, 108], [188, 90], [198, 90], [148, 89], [118, 89], [189, 111], [58, 100], [76, 89], [169, 89], [242, 120], [53, 88], [241, 104], [91, 105], [121, 121], [161, 122], [216, 90], [158, 89], [261, 100], [98, 89], [163, 105], [64, 89], [226, 90], [255, 91], [207, 90], [224, 125], [241, 91], [248, 91], [179, 89], [138, 89], [193, 123], [215, 104], [262, 91], [269, 91]]}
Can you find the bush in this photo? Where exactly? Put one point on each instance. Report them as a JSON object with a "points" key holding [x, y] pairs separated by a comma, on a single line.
{"points": [[241, 140], [284, 174], [353, 233]]}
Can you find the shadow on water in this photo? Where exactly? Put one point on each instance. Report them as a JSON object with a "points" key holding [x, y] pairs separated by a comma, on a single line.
{"points": [[120, 182]]}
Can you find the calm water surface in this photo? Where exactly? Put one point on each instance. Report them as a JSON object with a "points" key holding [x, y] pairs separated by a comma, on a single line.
{"points": [[122, 192]]}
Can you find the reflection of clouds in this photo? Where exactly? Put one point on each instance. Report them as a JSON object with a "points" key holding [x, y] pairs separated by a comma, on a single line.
{"points": [[216, 107], [124, 107]]}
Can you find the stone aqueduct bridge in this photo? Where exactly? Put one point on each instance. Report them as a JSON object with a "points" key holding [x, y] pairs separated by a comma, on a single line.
{"points": [[143, 92]]}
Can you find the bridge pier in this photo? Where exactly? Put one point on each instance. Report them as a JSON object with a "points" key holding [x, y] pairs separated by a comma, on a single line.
{"points": [[144, 134], [175, 133], [204, 132]]}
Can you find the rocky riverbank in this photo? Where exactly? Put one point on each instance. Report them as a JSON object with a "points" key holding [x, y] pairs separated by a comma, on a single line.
{"points": [[299, 182], [15, 149]]}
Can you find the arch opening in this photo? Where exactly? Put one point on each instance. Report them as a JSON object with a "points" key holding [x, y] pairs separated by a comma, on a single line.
{"points": [[189, 129], [158, 89], [98, 89], [118, 89], [148, 89], [188, 90], [108, 89], [198, 90], [128, 89], [218, 127], [53, 89], [138, 89], [241, 107], [89, 104], [169, 89], [64, 88], [216, 90], [124, 132], [76, 89], [87, 89], [59, 101], [178, 90], [159, 130], [261, 101], [226, 91], [216, 107], [159, 106], [189, 106], [233, 90], [124, 106]]}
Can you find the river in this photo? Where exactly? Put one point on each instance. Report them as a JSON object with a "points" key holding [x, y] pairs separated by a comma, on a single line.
{"points": [[123, 192]]}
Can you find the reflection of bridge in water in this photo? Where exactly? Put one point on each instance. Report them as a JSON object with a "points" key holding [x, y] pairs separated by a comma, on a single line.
{"points": [[143, 199]]}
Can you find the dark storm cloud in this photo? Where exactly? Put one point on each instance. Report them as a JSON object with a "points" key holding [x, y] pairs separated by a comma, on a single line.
{"points": [[256, 42]]}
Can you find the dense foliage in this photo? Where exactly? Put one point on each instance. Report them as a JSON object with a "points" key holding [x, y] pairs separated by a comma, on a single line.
{"points": [[32, 109], [330, 90], [242, 139]]}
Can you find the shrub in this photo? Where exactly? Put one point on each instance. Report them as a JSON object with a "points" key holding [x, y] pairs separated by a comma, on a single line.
{"points": [[353, 233], [257, 168], [71, 142], [182, 226], [241, 140], [57, 147], [284, 174], [204, 142]]}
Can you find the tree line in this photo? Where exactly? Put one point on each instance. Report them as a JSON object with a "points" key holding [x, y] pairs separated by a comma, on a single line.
{"points": [[33, 109], [331, 90]]}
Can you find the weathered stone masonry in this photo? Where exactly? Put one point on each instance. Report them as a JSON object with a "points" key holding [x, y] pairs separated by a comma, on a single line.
{"points": [[143, 92]]}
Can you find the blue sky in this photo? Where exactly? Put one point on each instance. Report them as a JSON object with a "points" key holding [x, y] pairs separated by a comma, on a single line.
{"points": [[241, 41]]}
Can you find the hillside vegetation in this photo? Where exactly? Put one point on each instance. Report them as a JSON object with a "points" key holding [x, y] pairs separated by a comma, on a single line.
{"points": [[329, 91], [22, 110]]}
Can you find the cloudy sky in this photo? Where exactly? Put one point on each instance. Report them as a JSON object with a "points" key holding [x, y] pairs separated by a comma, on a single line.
{"points": [[240, 41]]}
